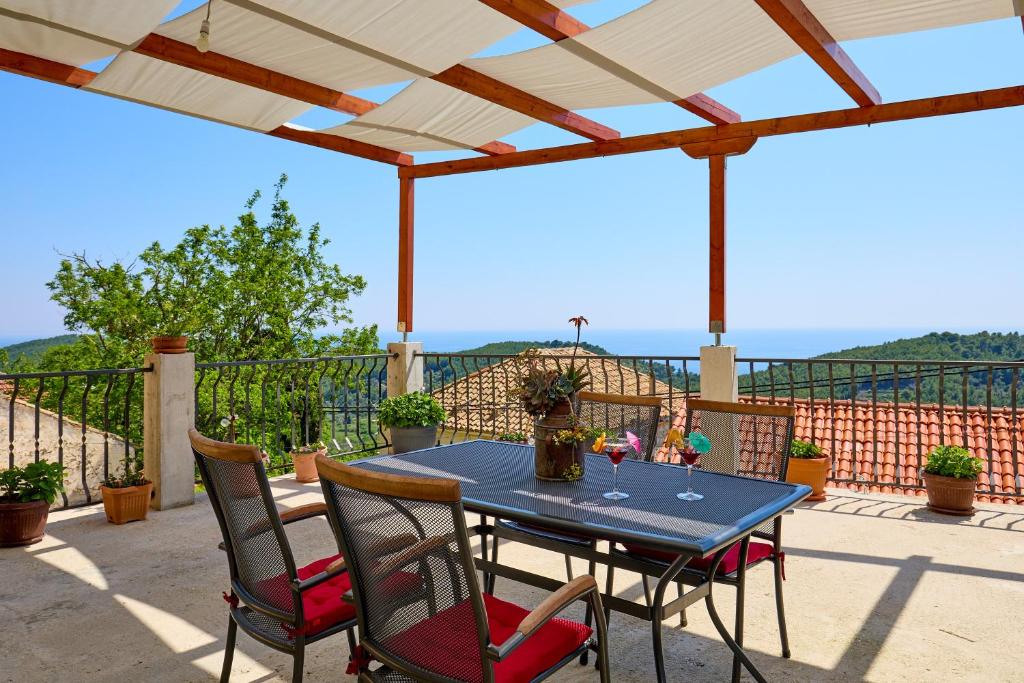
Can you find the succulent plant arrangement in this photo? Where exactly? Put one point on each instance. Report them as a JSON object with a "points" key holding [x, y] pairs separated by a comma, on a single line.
{"points": [[543, 389]]}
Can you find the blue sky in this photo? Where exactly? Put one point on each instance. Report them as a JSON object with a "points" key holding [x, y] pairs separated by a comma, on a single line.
{"points": [[913, 224]]}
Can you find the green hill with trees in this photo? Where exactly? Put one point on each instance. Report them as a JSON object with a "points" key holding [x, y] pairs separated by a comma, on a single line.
{"points": [[31, 351]]}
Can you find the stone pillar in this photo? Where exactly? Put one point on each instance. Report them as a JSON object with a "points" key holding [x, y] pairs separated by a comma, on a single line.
{"points": [[718, 379], [405, 373], [718, 382], [168, 412]]}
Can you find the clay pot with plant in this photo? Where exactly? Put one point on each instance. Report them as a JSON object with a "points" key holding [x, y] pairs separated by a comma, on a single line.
{"points": [[808, 465], [412, 420], [304, 460], [549, 395], [126, 497], [950, 478], [26, 494]]}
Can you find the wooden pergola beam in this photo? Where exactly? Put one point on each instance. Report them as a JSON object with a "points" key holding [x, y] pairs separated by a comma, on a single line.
{"points": [[982, 100], [64, 74], [551, 22], [803, 27], [44, 69], [406, 220], [492, 90], [215, 64]]}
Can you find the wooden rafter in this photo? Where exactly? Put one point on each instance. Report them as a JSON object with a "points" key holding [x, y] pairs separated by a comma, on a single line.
{"points": [[841, 118], [472, 82], [215, 64], [550, 21], [406, 219], [64, 74], [803, 27]]}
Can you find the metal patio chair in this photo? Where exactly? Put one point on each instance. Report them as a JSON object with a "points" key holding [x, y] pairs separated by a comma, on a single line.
{"points": [[280, 605], [751, 441], [391, 527], [616, 414]]}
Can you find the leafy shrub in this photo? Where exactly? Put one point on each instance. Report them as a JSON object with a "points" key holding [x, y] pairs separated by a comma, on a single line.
{"points": [[35, 481], [132, 476], [410, 410], [514, 437], [953, 461], [804, 449]]}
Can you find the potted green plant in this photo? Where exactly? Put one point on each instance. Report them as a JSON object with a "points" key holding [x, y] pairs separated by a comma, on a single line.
{"points": [[412, 420], [513, 437], [173, 340], [549, 396], [26, 494], [950, 478], [126, 497], [304, 460], [808, 466]]}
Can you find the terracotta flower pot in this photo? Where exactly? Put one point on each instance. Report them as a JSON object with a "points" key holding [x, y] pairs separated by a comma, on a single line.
{"points": [[169, 344], [129, 504], [22, 523], [811, 472], [305, 466], [950, 495]]}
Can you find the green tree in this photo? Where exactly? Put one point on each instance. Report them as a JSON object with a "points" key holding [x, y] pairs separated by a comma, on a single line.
{"points": [[247, 292]]}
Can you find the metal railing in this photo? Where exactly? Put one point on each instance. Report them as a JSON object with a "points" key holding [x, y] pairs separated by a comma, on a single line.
{"points": [[281, 404], [478, 391], [89, 421], [878, 419]]}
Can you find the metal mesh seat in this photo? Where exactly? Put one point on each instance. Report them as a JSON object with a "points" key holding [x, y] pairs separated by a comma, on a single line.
{"points": [[751, 441], [277, 603], [391, 525]]}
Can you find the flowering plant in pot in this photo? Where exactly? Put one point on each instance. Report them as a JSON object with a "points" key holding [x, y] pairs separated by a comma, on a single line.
{"points": [[126, 497], [26, 494], [950, 478], [549, 396], [412, 420], [808, 465], [304, 459], [567, 446]]}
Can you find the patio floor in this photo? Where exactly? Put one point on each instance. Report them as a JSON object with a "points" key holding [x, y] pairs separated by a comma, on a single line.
{"points": [[879, 589]]}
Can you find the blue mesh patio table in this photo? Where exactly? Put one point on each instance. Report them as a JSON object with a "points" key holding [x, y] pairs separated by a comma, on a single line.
{"points": [[497, 479]]}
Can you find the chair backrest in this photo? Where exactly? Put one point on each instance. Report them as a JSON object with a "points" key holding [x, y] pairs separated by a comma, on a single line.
{"points": [[618, 413], [261, 562], [398, 532], [751, 440]]}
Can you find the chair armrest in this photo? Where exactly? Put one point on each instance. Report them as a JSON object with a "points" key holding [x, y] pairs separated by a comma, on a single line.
{"points": [[302, 512], [329, 572], [547, 610]]}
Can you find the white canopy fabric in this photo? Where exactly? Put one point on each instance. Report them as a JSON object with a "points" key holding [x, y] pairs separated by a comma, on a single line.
{"points": [[428, 116], [668, 50], [169, 86], [77, 32], [663, 51]]}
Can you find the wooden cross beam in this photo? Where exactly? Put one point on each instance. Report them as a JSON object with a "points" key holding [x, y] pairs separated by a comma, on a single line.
{"points": [[551, 22], [803, 27]]}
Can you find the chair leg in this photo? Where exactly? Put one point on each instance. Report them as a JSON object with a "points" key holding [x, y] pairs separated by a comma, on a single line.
{"points": [[588, 616], [609, 586], [299, 657], [351, 633], [682, 613], [568, 567], [647, 589], [780, 608], [229, 651], [741, 589], [601, 627], [489, 586]]}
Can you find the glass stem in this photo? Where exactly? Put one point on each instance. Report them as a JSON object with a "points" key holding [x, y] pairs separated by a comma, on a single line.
{"points": [[615, 478], [689, 478]]}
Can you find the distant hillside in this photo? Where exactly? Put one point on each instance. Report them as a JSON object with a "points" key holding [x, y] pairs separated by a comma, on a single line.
{"points": [[511, 347], [937, 346], [33, 350]]}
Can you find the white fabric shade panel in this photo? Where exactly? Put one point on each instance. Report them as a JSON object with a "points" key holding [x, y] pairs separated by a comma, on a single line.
{"points": [[668, 49], [428, 116], [77, 32], [169, 86]]}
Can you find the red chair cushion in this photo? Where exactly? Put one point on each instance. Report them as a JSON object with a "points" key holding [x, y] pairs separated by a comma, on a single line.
{"points": [[447, 642], [730, 563]]}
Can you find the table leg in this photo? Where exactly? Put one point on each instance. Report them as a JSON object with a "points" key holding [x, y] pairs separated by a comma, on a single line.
{"points": [[658, 613], [709, 601], [483, 548]]}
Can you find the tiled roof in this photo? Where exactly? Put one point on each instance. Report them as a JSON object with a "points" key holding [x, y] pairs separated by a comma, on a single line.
{"points": [[899, 452]]}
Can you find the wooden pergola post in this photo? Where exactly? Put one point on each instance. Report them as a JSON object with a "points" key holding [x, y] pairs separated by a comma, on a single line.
{"points": [[716, 152], [406, 212], [716, 247]]}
